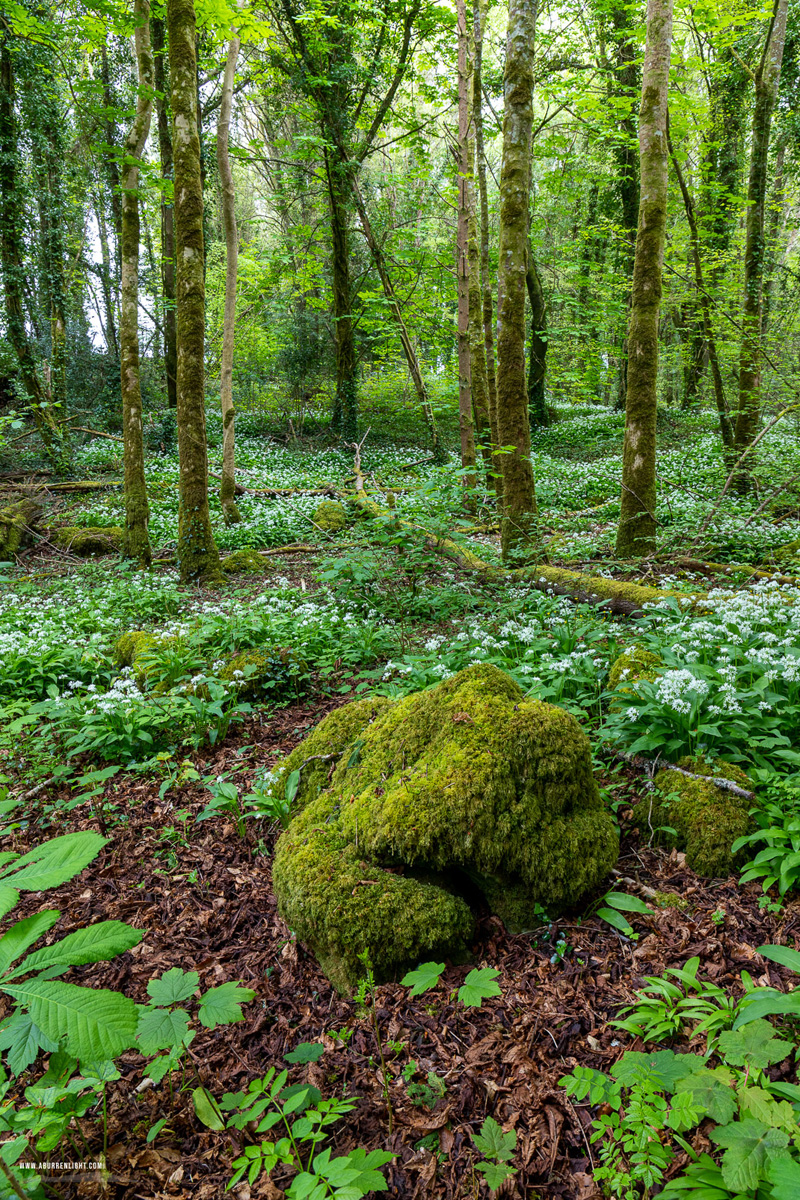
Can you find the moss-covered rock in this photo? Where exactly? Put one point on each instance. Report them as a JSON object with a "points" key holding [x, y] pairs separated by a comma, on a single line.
{"points": [[266, 671], [707, 820], [16, 523], [330, 515], [633, 664], [419, 803], [89, 541], [244, 562]]}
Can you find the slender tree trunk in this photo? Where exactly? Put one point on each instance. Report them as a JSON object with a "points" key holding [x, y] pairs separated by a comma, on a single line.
{"points": [[537, 350], [167, 214], [477, 349], [227, 490], [485, 272], [626, 77], [11, 260], [776, 216], [112, 342], [465, 421], [637, 523], [345, 411], [767, 78], [137, 509], [519, 515], [109, 157], [198, 557], [726, 427]]}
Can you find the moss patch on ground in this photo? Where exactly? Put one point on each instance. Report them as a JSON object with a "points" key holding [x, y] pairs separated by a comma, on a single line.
{"points": [[413, 805], [274, 672], [330, 516], [101, 539], [633, 664]]}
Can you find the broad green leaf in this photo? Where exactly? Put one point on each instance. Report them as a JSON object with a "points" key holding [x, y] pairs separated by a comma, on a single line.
{"points": [[627, 903], [778, 1114], [664, 1068], [784, 1174], [173, 986], [368, 1176], [161, 1029], [493, 1142], [93, 1023], [306, 1052], [754, 1045], [23, 1040], [54, 862], [423, 978], [709, 1094], [480, 984], [749, 1146], [765, 1002], [95, 943], [23, 934], [783, 955], [495, 1174], [206, 1109], [616, 919], [9, 898], [223, 1005], [155, 1130]]}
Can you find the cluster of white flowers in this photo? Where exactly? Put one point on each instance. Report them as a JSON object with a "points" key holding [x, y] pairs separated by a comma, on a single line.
{"points": [[680, 689]]}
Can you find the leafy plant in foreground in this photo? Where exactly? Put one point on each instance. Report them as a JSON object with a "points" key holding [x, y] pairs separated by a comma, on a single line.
{"points": [[778, 833], [479, 985], [497, 1149]]}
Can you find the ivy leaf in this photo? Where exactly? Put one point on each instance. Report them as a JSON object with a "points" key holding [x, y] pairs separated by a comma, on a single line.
{"points": [[423, 978], [749, 1147], [161, 1029], [493, 1142], [479, 985], [173, 986], [754, 1045], [306, 1052], [223, 1005]]}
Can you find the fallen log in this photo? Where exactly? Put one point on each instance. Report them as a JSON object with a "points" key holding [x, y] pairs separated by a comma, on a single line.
{"points": [[698, 564], [17, 523]]}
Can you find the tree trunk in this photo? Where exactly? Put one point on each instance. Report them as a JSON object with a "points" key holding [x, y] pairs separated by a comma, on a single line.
{"points": [[776, 218], [110, 327], [137, 511], [465, 421], [519, 514], [167, 214], [11, 258], [486, 277], [767, 78], [345, 410], [197, 552], [537, 350], [227, 490], [637, 522], [626, 82]]}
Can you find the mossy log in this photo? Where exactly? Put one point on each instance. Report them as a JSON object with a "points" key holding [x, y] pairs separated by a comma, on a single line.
{"points": [[83, 485], [88, 541], [697, 564], [17, 523], [411, 808]]}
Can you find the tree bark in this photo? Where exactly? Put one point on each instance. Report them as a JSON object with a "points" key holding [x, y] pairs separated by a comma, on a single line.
{"points": [[227, 491], [519, 514], [626, 83], [197, 552], [767, 78], [537, 349], [637, 524], [136, 543], [345, 411], [167, 213], [465, 421]]}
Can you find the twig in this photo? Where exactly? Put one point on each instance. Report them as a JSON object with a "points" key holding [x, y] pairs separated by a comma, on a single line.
{"points": [[726, 785]]}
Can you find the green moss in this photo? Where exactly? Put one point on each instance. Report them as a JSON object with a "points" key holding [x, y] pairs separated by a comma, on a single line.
{"points": [[131, 645], [243, 561], [330, 515], [606, 589], [89, 541], [15, 525], [465, 785], [634, 663], [671, 900], [707, 820], [272, 671]]}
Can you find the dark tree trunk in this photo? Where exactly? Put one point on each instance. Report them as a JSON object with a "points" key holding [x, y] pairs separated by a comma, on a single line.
{"points": [[465, 420], [537, 348], [167, 212]]}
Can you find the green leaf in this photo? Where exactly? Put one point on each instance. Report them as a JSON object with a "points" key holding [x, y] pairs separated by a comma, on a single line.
{"points": [[493, 1142], [627, 903], [306, 1052], [765, 1002], [155, 1130], [9, 898], [783, 955], [161, 1029], [292, 784], [93, 1023], [495, 1174], [95, 943], [423, 978], [664, 1068], [173, 986], [54, 862], [23, 934], [206, 1109], [223, 1005], [23, 1040], [615, 919], [368, 1177], [479, 985], [749, 1147], [784, 1174], [754, 1045], [709, 1093]]}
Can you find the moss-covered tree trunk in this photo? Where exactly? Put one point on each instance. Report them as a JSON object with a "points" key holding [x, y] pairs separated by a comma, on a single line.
{"points": [[227, 489], [624, 87], [519, 514], [465, 421], [479, 384], [137, 512], [637, 523], [767, 77], [198, 557], [167, 213], [537, 350]]}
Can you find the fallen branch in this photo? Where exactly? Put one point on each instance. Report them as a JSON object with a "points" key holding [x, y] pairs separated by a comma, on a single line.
{"points": [[652, 765], [697, 564]]}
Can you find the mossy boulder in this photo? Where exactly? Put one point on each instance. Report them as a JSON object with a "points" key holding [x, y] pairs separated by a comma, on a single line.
{"points": [[633, 664], [84, 543], [132, 645], [408, 809], [330, 516], [245, 562], [273, 672], [707, 819], [16, 525]]}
